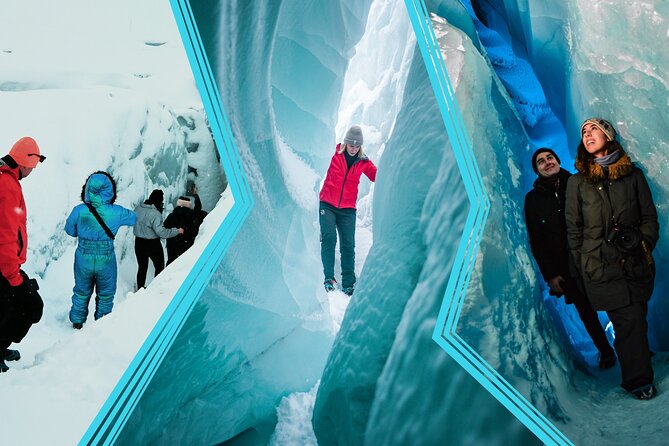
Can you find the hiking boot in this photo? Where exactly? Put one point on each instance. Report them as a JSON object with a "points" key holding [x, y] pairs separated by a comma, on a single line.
{"points": [[77, 325], [348, 290], [11, 355], [329, 285], [3, 366], [606, 361], [644, 393]]}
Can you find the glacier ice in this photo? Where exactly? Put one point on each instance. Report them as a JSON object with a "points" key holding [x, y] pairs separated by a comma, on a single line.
{"points": [[263, 313], [268, 287]]}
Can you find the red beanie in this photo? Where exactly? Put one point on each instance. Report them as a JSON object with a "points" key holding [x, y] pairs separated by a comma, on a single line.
{"points": [[26, 152]]}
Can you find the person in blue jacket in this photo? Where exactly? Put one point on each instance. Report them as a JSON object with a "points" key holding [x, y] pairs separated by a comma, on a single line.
{"points": [[95, 260]]}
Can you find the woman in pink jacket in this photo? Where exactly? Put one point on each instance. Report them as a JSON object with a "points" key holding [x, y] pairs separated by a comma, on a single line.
{"points": [[337, 208]]}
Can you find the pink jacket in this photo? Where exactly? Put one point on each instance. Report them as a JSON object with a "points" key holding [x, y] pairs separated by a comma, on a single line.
{"points": [[341, 183]]}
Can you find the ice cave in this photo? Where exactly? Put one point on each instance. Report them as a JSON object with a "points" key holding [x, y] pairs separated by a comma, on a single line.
{"points": [[292, 76]]}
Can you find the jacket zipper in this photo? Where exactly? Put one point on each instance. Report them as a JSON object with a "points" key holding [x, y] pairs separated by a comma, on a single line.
{"points": [[341, 195]]}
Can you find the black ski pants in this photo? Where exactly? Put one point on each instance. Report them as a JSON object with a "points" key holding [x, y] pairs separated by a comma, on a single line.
{"points": [[146, 249], [332, 221]]}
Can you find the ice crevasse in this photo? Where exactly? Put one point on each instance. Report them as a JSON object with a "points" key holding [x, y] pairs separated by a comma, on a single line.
{"points": [[260, 330]]}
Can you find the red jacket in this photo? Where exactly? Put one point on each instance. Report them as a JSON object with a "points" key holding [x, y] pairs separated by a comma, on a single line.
{"points": [[341, 183], [13, 237]]}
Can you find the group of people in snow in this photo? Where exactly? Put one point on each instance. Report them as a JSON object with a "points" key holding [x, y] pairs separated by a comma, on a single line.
{"points": [[592, 235], [95, 223]]}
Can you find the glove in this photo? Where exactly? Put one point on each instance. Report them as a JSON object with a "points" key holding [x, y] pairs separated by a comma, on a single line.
{"points": [[27, 301]]}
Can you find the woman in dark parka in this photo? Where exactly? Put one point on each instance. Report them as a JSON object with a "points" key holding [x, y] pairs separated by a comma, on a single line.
{"points": [[612, 229]]}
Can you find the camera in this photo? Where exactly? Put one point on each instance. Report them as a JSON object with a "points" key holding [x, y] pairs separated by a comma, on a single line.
{"points": [[613, 233], [625, 238]]}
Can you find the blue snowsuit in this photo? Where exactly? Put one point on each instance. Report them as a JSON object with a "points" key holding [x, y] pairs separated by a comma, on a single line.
{"points": [[95, 260]]}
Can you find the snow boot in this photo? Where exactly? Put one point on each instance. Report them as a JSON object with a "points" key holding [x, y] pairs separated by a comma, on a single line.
{"points": [[3, 366], [329, 285], [644, 393], [77, 325], [11, 355], [348, 290]]}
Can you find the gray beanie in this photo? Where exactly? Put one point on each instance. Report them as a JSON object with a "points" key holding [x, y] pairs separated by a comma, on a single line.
{"points": [[353, 136]]}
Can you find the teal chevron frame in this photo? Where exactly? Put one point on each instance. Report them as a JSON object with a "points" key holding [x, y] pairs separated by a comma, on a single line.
{"points": [[445, 331], [119, 405]]}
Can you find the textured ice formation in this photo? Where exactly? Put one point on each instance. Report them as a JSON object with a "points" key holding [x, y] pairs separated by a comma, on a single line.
{"points": [[261, 330]]}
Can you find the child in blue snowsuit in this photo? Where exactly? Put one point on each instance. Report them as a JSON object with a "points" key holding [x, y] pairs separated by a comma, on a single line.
{"points": [[95, 260]]}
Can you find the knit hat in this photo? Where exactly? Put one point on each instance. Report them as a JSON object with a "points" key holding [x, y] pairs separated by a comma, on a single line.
{"points": [[603, 125], [354, 136], [156, 197], [540, 151], [26, 152]]}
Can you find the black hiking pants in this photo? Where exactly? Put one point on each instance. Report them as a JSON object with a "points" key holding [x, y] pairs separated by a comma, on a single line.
{"points": [[332, 221], [146, 249], [631, 344], [588, 316]]}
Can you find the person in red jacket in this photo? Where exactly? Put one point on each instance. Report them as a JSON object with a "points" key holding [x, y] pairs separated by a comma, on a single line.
{"points": [[337, 208], [20, 304]]}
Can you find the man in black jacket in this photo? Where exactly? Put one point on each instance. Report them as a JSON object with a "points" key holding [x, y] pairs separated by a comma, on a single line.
{"points": [[547, 229]]}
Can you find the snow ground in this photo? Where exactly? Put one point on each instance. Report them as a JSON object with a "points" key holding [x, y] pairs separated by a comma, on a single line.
{"points": [[64, 372], [99, 86]]}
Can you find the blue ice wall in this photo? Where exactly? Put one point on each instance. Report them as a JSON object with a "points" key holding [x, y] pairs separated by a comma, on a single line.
{"points": [[309, 60], [385, 381], [510, 62], [602, 62], [610, 70], [259, 330]]}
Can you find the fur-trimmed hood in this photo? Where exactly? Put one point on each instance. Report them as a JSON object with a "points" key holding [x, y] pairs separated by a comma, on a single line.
{"points": [[594, 173]]}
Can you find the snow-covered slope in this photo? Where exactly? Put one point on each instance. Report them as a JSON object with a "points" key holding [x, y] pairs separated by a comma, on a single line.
{"points": [[100, 87]]}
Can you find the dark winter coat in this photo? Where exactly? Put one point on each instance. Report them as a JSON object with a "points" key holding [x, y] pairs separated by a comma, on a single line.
{"points": [[340, 188], [189, 220], [547, 229], [612, 279]]}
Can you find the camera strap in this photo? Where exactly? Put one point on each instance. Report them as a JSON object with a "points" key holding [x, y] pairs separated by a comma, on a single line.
{"points": [[100, 220]]}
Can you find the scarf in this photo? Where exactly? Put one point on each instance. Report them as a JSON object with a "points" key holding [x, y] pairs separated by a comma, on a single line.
{"points": [[609, 159]]}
